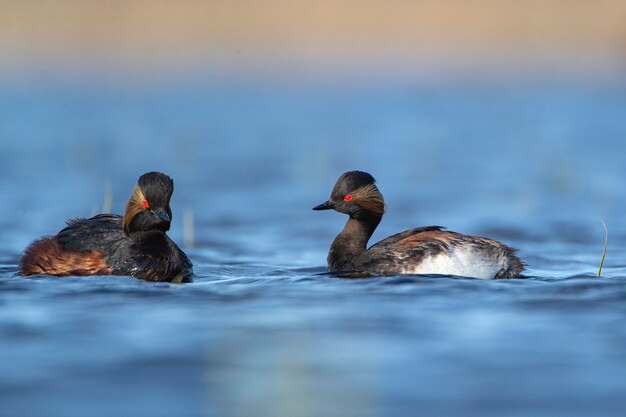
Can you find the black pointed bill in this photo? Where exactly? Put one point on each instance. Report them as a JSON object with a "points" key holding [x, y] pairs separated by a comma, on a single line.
{"points": [[163, 215], [325, 206]]}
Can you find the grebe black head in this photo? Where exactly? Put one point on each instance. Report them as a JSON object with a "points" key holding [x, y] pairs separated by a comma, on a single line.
{"points": [[355, 194], [148, 208], [424, 250]]}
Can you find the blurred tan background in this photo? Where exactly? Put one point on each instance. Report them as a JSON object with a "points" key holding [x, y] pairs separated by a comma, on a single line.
{"points": [[419, 38]]}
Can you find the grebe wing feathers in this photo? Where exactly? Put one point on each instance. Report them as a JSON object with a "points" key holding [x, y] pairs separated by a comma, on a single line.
{"points": [[94, 234], [393, 240]]}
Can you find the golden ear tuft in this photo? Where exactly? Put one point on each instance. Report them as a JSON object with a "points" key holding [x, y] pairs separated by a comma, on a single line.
{"points": [[370, 199], [136, 204]]}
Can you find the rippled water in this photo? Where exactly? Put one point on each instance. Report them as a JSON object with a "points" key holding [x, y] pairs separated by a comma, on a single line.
{"points": [[263, 330]]}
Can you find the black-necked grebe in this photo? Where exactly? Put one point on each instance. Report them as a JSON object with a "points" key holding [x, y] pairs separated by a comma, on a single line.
{"points": [[134, 244], [424, 250]]}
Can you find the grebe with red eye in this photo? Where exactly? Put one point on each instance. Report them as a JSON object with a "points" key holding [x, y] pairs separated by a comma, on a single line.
{"points": [[133, 244], [424, 250]]}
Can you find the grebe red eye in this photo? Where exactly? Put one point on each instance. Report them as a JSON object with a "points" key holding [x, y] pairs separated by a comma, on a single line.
{"points": [[145, 204], [348, 197]]}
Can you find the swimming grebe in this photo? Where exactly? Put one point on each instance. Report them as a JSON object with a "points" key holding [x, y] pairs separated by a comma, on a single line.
{"points": [[134, 244], [424, 250]]}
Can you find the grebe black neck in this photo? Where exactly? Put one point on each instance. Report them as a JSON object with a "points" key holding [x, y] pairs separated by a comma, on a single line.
{"points": [[148, 210], [351, 243]]}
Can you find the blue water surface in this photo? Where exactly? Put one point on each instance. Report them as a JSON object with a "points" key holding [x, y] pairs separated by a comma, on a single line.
{"points": [[263, 330]]}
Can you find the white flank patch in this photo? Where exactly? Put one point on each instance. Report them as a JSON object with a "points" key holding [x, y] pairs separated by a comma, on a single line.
{"points": [[465, 262]]}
